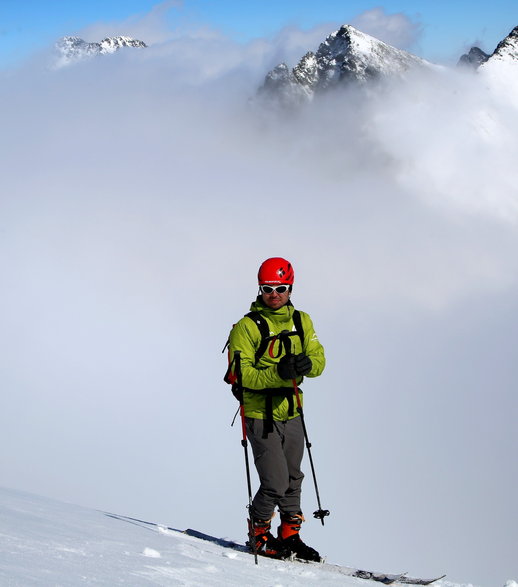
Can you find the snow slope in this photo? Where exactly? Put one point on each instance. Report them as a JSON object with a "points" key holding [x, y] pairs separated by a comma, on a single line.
{"points": [[45, 542], [500, 71]]}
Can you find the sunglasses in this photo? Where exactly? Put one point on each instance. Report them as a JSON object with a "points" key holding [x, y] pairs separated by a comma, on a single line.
{"points": [[268, 289]]}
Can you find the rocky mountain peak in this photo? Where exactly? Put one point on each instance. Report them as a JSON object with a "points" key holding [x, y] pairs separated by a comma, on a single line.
{"points": [[505, 53], [72, 49], [507, 49], [346, 55], [474, 58]]}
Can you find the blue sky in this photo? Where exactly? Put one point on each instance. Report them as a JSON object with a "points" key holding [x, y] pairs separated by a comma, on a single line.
{"points": [[446, 28]]}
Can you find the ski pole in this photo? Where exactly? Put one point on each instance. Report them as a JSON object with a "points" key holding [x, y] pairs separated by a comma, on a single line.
{"points": [[244, 444], [284, 339], [320, 513]]}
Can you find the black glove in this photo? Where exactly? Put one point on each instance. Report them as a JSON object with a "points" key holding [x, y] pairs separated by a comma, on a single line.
{"points": [[286, 367], [303, 364]]}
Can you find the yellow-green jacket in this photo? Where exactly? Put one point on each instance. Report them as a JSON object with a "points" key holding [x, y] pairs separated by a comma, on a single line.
{"points": [[245, 337]]}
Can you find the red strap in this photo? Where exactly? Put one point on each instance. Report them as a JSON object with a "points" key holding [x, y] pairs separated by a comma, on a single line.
{"points": [[271, 347]]}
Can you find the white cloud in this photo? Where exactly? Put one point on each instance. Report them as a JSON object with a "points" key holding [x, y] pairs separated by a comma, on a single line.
{"points": [[396, 29], [151, 27]]}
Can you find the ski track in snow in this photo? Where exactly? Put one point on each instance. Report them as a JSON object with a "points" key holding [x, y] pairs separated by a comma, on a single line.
{"points": [[44, 542]]}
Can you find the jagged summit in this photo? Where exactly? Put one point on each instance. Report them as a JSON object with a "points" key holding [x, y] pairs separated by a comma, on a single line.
{"points": [[346, 55], [349, 53], [474, 58], [507, 50], [501, 69], [72, 49]]}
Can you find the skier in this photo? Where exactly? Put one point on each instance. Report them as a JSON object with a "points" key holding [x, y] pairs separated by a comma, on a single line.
{"points": [[273, 425]]}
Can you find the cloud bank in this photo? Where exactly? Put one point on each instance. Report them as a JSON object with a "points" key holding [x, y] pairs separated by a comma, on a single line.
{"points": [[141, 192]]}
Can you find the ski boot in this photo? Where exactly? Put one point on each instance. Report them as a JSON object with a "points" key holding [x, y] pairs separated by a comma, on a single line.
{"points": [[288, 534], [265, 542]]}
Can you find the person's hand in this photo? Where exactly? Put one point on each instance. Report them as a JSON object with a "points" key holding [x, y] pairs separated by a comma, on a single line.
{"points": [[292, 366], [286, 367], [303, 364]]}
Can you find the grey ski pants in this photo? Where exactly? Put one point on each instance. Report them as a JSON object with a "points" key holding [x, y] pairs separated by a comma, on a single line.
{"points": [[277, 458]]}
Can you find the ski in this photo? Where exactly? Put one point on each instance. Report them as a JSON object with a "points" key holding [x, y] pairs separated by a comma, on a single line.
{"points": [[385, 578], [415, 581], [219, 541], [141, 523]]}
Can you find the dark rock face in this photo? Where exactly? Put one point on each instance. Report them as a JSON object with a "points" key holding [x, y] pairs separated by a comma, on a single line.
{"points": [[474, 58]]}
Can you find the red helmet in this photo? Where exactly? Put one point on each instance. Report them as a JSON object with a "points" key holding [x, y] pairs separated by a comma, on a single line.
{"points": [[275, 271]]}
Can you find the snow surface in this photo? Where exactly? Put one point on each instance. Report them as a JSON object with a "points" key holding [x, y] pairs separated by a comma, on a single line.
{"points": [[500, 74], [45, 542]]}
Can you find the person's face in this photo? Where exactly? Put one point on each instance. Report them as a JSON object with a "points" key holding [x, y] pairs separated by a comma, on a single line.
{"points": [[273, 298]]}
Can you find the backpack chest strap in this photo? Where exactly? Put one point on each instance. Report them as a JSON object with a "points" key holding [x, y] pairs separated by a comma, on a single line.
{"points": [[264, 331]]}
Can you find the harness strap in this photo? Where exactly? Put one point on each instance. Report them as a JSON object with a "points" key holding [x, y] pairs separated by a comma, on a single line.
{"points": [[269, 393], [264, 331], [233, 376], [297, 322]]}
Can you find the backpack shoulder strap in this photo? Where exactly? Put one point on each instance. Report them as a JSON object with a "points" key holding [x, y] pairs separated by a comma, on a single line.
{"points": [[264, 331], [297, 321]]}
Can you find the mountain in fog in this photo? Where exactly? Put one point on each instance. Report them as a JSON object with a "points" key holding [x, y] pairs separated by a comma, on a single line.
{"points": [[348, 56], [73, 49], [473, 58], [506, 51]]}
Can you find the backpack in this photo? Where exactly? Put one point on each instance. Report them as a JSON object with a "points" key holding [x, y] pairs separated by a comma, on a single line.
{"points": [[233, 373]]}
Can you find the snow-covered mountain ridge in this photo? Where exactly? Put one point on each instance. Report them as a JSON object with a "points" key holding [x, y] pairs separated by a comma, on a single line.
{"points": [[506, 50], [72, 49], [47, 542], [349, 56], [500, 70]]}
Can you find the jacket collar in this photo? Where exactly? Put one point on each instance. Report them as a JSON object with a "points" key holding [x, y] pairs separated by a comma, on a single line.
{"points": [[282, 314]]}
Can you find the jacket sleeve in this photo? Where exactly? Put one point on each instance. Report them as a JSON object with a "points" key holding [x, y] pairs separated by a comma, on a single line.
{"points": [[245, 337], [312, 347]]}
